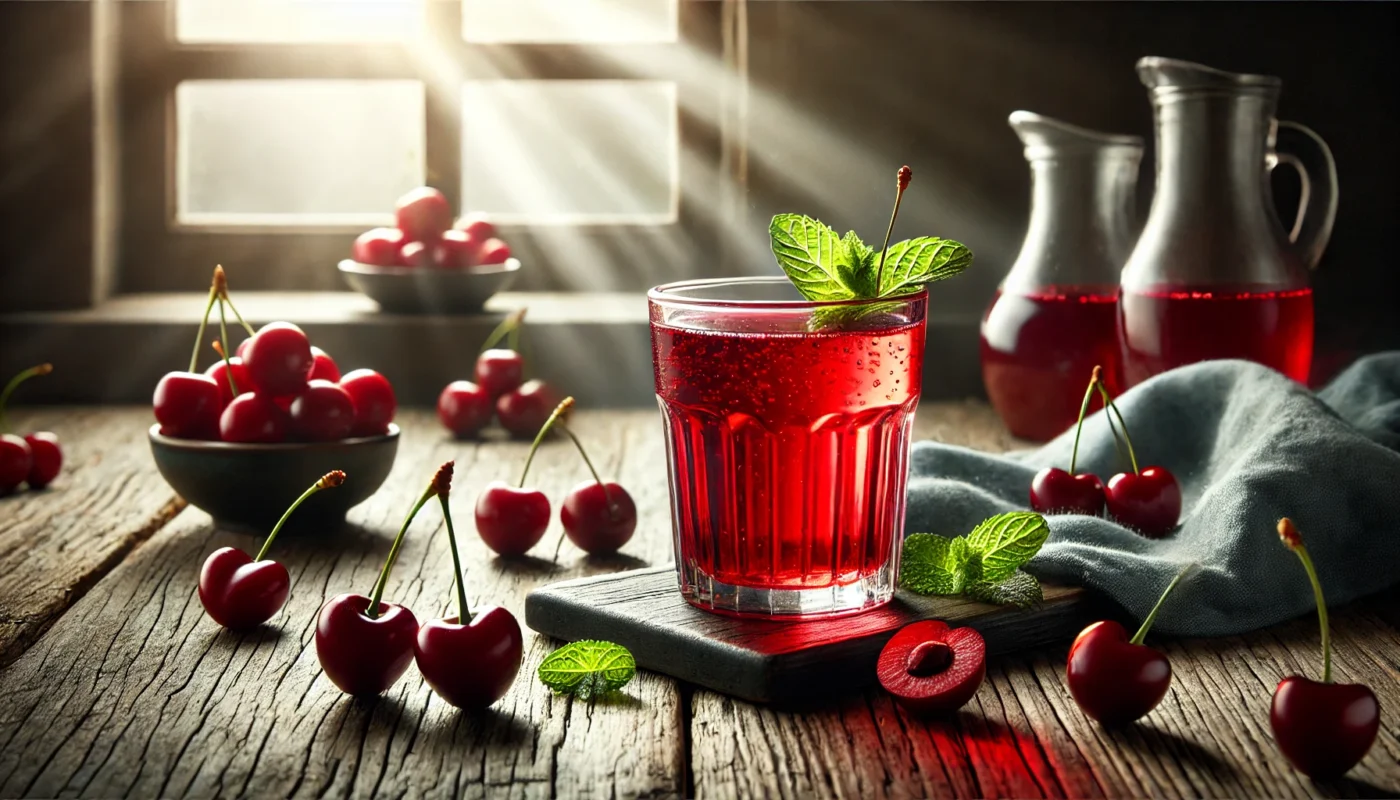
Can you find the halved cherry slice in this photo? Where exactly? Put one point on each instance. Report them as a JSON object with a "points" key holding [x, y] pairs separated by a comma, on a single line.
{"points": [[928, 667]]}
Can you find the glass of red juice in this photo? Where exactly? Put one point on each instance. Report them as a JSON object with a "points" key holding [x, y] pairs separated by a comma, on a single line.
{"points": [[787, 428]]}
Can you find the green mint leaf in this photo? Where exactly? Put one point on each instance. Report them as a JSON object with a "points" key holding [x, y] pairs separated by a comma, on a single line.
{"points": [[809, 252], [915, 262], [826, 318], [933, 564], [588, 669], [859, 266], [1021, 590], [1007, 541]]}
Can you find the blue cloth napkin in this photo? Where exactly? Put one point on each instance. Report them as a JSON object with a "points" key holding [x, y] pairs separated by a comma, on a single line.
{"points": [[1248, 446]]}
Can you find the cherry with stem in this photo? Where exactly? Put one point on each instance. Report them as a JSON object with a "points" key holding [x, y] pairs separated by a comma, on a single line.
{"points": [[470, 660], [512, 519], [502, 370], [1053, 489], [1148, 500], [599, 517], [902, 179], [239, 592], [187, 404], [34, 458], [1322, 728]]}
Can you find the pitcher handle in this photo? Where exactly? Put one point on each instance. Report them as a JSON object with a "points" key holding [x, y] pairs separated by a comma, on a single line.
{"points": [[1305, 151]]}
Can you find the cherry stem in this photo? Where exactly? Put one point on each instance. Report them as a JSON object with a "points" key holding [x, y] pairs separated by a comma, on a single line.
{"points": [[1289, 533], [443, 482], [373, 611], [1152, 615], [1083, 409], [327, 481], [507, 327], [42, 369], [222, 282], [901, 182], [203, 323], [223, 334], [607, 495], [1117, 439], [559, 411], [1108, 402]]}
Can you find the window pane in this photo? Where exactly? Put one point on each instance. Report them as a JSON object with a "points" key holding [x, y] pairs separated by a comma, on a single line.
{"points": [[569, 20], [297, 20], [571, 152], [296, 152]]}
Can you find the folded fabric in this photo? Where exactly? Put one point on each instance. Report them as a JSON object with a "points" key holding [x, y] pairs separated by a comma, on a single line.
{"points": [[1248, 446]]}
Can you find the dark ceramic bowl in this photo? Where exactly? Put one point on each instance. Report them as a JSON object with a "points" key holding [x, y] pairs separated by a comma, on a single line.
{"points": [[251, 485], [429, 290]]}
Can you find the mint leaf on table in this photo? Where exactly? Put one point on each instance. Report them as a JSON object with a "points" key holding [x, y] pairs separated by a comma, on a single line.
{"points": [[983, 565], [914, 262], [1007, 541], [588, 669], [811, 254]]}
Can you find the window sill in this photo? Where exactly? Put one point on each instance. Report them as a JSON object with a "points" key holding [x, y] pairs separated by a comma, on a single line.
{"points": [[596, 344]]}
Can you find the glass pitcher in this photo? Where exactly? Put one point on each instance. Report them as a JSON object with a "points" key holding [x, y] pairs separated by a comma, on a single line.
{"points": [[1215, 274], [1055, 315]]}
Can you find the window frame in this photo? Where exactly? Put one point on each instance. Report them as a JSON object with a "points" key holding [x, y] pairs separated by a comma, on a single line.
{"points": [[158, 253]]}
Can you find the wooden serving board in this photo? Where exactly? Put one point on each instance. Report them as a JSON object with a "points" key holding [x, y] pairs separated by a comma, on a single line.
{"points": [[769, 661]]}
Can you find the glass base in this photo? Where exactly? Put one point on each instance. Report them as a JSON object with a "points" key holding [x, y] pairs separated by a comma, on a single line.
{"points": [[708, 594]]}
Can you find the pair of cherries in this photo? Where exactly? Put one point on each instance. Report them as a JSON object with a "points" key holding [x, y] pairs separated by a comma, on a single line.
{"points": [[34, 458], [365, 644], [1148, 500], [522, 406], [277, 387], [424, 236], [598, 516], [1322, 728]]}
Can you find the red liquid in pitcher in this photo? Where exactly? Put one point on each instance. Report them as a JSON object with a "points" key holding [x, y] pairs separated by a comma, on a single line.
{"points": [[1162, 329], [789, 450], [1038, 351]]}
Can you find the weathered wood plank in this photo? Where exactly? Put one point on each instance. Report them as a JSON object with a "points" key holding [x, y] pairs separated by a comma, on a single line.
{"points": [[56, 543], [135, 692]]}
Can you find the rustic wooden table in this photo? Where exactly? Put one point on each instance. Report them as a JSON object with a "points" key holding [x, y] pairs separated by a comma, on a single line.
{"points": [[117, 684]]}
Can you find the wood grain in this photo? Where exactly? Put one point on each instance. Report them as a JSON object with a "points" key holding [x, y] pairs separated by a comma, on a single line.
{"points": [[56, 543]]}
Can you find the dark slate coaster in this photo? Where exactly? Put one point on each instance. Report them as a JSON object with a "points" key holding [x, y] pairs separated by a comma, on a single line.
{"points": [[775, 662]]}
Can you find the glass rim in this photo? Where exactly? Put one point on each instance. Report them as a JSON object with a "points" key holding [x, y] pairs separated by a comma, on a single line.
{"points": [[664, 294]]}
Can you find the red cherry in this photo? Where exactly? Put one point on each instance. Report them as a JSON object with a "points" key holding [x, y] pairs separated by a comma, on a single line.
{"points": [[511, 520], [46, 459], [1324, 729], [253, 419], [238, 592], [322, 413], [414, 253], [374, 402], [523, 410], [1149, 501], [456, 250], [364, 656], [243, 348], [476, 226], [464, 408], [593, 523], [187, 406], [1053, 489], [219, 372], [928, 667], [15, 462], [1113, 680], [378, 247], [323, 367], [499, 371], [423, 213], [493, 251], [470, 666], [278, 360]]}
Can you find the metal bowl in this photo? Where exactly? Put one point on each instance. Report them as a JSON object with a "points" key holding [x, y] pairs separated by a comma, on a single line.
{"points": [[430, 290]]}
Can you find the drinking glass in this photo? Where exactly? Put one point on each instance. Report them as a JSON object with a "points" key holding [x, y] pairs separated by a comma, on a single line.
{"points": [[787, 429]]}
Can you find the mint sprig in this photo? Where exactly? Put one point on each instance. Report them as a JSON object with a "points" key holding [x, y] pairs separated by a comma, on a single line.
{"points": [[983, 565], [588, 669]]}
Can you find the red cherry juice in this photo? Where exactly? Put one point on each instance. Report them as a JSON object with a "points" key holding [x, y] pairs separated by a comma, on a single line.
{"points": [[1170, 327], [788, 449], [1038, 351]]}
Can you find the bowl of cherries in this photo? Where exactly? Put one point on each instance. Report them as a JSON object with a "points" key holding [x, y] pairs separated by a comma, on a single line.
{"points": [[426, 264], [242, 439]]}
